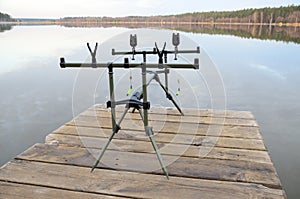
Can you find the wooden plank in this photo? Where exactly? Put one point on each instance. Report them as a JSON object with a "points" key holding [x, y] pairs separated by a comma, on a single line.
{"points": [[167, 127], [187, 112], [165, 148], [128, 183], [213, 169], [224, 131], [175, 118], [225, 142], [21, 191]]}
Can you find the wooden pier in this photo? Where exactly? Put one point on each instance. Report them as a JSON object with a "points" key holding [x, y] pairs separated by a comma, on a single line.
{"points": [[209, 154]]}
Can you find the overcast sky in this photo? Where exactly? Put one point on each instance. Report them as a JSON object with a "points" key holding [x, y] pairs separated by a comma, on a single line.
{"points": [[63, 8]]}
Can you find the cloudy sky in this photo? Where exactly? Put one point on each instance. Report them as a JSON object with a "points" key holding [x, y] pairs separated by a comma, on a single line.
{"points": [[63, 8]]}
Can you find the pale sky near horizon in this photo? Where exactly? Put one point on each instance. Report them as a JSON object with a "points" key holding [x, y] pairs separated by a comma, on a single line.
{"points": [[114, 8]]}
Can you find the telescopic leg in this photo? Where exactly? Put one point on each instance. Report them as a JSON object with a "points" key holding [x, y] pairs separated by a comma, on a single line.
{"points": [[144, 116], [149, 133], [169, 96], [114, 131]]}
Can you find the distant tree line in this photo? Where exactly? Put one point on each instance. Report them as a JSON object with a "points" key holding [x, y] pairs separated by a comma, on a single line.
{"points": [[288, 14], [5, 17]]}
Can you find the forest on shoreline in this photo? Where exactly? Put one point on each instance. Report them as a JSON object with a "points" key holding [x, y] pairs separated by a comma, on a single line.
{"points": [[6, 18], [276, 16]]}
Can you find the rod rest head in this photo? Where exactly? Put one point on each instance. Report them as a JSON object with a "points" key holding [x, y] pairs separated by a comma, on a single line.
{"points": [[196, 63], [62, 62]]}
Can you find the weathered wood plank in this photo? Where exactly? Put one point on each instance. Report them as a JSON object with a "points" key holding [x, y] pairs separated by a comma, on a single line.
{"points": [[224, 131], [144, 145], [21, 191], [175, 118], [187, 112], [198, 140], [214, 169], [128, 183], [170, 127]]}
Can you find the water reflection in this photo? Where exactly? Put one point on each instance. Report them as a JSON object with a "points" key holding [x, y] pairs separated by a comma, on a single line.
{"points": [[277, 33], [5, 27], [263, 32]]}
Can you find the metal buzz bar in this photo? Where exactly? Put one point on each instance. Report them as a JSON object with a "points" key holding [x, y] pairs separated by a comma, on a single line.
{"points": [[135, 100]]}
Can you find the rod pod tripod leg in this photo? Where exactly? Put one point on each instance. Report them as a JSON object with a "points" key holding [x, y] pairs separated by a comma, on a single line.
{"points": [[144, 116], [149, 133], [169, 96], [114, 131], [165, 89], [115, 126]]}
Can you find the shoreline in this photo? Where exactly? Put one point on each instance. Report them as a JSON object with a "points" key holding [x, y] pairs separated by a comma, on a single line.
{"points": [[146, 23]]}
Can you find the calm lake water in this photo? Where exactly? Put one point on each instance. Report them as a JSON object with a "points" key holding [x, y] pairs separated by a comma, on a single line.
{"points": [[261, 76]]}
